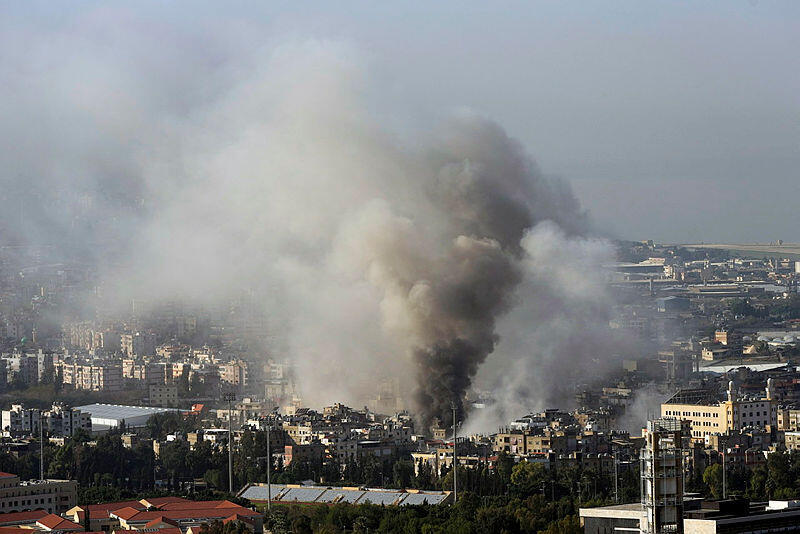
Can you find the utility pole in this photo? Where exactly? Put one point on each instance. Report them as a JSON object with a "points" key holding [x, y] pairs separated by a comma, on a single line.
{"points": [[41, 448], [229, 397], [616, 477], [455, 457], [724, 476], [269, 468]]}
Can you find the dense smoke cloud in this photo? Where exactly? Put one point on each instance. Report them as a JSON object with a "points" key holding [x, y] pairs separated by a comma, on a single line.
{"points": [[558, 336], [375, 251]]}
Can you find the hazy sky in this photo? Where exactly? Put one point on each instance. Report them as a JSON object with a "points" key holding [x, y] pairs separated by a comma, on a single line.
{"points": [[678, 121]]}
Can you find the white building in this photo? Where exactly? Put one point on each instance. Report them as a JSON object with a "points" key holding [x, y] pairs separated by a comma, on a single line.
{"points": [[57, 421], [106, 416], [55, 496]]}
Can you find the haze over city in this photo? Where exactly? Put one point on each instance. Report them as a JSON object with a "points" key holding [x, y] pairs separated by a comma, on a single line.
{"points": [[373, 249]]}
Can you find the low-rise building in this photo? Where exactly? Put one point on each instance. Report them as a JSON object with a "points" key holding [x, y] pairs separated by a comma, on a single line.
{"points": [[55, 496], [57, 421], [163, 395]]}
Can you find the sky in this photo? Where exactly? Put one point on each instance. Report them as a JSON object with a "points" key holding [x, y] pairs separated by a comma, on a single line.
{"points": [[674, 121]]}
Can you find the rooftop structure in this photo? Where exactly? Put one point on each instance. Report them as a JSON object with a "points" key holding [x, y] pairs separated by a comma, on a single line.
{"points": [[324, 495], [105, 416], [734, 516]]}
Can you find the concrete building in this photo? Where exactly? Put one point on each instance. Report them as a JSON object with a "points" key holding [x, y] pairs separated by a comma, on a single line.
{"points": [[709, 416], [106, 416], [99, 376], [22, 367], [64, 421], [662, 476], [19, 421], [58, 421], [163, 395], [734, 516], [55, 496], [138, 344], [234, 373], [788, 419], [791, 440]]}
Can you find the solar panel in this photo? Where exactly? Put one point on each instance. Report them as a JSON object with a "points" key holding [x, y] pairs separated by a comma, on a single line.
{"points": [[340, 495], [259, 493], [302, 494], [423, 498], [380, 497]]}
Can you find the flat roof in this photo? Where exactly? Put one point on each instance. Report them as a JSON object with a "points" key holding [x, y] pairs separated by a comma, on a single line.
{"points": [[119, 412], [633, 510], [723, 368]]}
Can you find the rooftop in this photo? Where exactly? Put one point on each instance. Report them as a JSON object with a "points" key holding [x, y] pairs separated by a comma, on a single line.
{"points": [[119, 412], [693, 396]]}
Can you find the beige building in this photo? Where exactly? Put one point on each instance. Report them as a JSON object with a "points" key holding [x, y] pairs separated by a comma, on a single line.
{"points": [[55, 496], [105, 376], [788, 419], [526, 442], [163, 395], [234, 373], [792, 440], [709, 416]]}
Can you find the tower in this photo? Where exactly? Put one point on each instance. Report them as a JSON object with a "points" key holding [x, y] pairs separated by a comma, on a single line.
{"points": [[662, 476]]}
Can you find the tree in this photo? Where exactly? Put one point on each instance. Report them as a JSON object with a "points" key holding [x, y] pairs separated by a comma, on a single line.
{"points": [[567, 525], [712, 477], [402, 474], [528, 478]]}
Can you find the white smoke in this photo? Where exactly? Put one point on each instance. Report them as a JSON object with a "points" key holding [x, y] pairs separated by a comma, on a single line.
{"points": [[273, 171]]}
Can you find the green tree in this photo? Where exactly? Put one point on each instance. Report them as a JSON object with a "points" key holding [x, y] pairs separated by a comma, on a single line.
{"points": [[528, 478], [712, 477]]}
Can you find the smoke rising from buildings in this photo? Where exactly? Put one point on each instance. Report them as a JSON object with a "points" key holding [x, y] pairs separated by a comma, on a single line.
{"points": [[380, 250]]}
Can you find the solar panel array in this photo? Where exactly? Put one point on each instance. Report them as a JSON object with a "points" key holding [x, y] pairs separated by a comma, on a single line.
{"points": [[315, 494]]}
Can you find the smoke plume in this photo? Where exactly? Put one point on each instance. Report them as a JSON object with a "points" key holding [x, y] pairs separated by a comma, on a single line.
{"points": [[377, 245]]}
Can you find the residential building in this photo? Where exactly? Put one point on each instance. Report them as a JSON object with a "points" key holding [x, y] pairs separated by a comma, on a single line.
{"points": [[55, 496], [94, 376], [58, 421], [163, 395], [138, 344], [709, 416], [234, 373]]}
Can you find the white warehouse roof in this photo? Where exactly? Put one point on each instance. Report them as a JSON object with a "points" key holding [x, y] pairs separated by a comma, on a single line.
{"points": [[106, 416]]}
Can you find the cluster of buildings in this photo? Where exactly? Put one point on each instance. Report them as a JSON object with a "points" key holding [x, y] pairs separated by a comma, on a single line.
{"points": [[160, 374], [666, 507], [163, 515], [59, 420]]}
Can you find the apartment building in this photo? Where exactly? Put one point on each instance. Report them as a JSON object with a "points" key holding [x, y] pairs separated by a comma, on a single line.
{"points": [[58, 420], [708, 416], [527, 442], [95, 376], [789, 419], [138, 344], [234, 373], [163, 395], [55, 496]]}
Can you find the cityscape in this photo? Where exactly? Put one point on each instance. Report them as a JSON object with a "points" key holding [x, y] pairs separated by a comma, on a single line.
{"points": [[273, 269]]}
